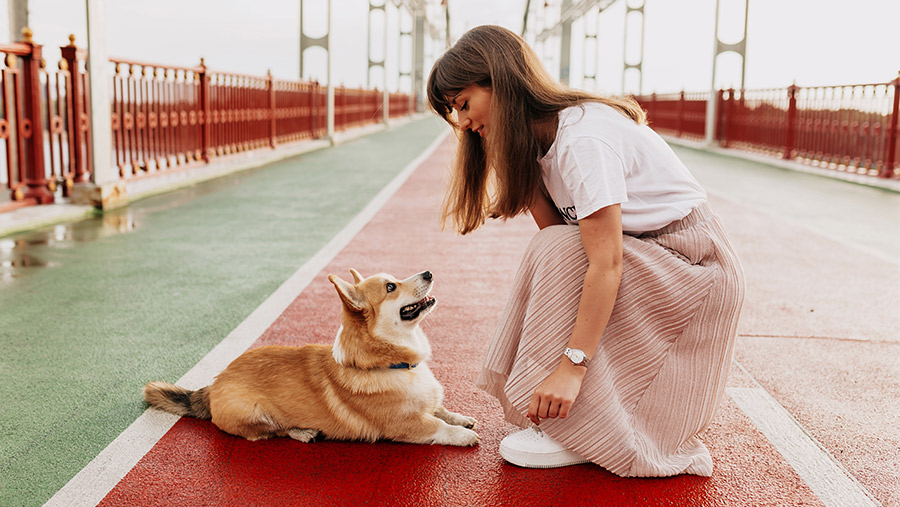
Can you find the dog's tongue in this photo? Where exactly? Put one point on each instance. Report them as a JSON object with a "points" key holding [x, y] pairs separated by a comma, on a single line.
{"points": [[410, 311]]}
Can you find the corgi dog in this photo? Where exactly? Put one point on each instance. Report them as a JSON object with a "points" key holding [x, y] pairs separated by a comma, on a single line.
{"points": [[372, 383]]}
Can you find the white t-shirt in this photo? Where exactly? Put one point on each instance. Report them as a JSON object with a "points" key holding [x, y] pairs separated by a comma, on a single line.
{"points": [[601, 158]]}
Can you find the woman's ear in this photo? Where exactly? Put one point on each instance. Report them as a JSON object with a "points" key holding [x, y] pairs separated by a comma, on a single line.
{"points": [[351, 297]]}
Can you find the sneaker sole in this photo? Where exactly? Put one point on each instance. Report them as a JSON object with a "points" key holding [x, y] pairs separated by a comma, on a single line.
{"points": [[527, 460]]}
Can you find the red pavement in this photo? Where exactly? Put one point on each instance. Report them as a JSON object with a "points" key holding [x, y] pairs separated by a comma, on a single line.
{"points": [[196, 464]]}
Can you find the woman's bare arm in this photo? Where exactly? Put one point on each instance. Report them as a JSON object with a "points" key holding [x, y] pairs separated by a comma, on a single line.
{"points": [[544, 212], [601, 235]]}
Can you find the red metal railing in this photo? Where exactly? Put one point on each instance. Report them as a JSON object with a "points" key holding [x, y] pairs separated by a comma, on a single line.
{"points": [[165, 116], [683, 114], [78, 124], [156, 116], [847, 126], [398, 105], [300, 111], [13, 119], [162, 117], [851, 128], [44, 139], [356, 107]]}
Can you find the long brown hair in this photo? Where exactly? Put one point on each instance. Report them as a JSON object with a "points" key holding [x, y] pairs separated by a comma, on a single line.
{"points": [[500, 178]]}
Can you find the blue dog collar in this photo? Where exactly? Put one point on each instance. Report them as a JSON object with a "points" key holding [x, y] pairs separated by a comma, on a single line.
{"points": [[403, 366]]}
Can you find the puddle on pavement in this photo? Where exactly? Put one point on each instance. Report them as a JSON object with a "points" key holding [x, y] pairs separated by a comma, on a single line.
{"points": [[23, 261], [22, 253]]}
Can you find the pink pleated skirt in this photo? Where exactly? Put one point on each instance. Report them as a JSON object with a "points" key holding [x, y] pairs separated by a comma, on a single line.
{"points": [[658, 375]]}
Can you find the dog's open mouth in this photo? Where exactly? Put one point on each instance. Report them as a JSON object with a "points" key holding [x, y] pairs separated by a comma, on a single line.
{"points": [[410, 312]]}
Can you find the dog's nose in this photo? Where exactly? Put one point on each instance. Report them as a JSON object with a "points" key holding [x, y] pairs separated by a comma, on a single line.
{"points": [[427, 276]]}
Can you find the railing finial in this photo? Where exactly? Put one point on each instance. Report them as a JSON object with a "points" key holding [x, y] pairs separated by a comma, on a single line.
{"points": [[72, 40], [27, 35]]}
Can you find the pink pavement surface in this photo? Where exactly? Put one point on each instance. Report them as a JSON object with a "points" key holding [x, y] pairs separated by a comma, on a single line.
{"points": [[812, 334], [821, 332]]}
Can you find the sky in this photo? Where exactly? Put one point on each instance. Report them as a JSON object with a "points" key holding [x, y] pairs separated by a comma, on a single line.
{"points": [[810, 42]]}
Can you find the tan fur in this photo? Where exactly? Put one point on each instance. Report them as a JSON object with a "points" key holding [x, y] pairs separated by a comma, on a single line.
{"points": [[301, 392]]}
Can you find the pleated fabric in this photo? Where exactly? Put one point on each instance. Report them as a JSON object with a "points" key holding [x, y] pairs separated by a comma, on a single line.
{"points": [[658, 375]]}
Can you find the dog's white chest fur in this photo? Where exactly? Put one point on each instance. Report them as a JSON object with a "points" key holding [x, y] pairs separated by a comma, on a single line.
{"points": [[414, 340], [336, 349]]}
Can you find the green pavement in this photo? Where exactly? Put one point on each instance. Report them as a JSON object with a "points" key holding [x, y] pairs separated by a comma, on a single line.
{"points": [[866, 217], [90, 311]]}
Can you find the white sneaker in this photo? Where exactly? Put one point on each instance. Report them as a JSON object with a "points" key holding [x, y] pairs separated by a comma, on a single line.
{"points": [[532, 448]]}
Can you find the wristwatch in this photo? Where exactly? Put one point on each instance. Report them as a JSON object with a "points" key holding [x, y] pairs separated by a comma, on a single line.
{"points": [[577, 356]]}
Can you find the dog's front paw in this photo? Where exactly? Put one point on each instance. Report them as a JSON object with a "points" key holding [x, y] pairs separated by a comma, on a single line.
{"points": [[456, 419], [462, 437], [303, 435]]}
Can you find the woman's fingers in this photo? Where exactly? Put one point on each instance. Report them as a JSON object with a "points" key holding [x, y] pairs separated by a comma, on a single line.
{"points": [[544, 406], [543, 411], [533, 409], [553, 398], [553, 409], [564, 409]]}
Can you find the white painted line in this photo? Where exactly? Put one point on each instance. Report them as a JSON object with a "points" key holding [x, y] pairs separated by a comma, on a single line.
{"points": [[101, 475], [830, 481]]}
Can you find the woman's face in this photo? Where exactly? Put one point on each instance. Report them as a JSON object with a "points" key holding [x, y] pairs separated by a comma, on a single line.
{"points": [[473, 108]]}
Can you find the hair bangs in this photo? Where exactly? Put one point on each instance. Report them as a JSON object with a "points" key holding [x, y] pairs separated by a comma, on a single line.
{"points": [[440, 88]]}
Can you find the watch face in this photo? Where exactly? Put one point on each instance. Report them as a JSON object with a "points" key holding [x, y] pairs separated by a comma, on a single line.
{"points": [[575, 355]]}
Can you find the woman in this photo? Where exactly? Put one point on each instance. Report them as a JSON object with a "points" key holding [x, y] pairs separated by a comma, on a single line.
{"points": [[617, 337]]}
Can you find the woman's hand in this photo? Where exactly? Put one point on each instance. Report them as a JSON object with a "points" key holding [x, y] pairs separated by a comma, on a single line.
{"points": [[556, 394]]}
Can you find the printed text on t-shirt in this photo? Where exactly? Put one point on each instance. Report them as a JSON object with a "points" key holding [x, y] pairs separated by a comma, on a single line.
{"points": [[568, 213]]}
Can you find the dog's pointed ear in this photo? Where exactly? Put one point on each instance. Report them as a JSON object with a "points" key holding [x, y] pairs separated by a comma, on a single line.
{"points": [[356, 276], [351, 297]]}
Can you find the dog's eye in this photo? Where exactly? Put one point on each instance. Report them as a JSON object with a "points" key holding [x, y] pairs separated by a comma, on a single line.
{"points": [[390, 287]]}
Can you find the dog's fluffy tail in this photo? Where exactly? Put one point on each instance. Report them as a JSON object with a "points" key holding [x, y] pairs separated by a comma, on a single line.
{"points": [[178, 400]]}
